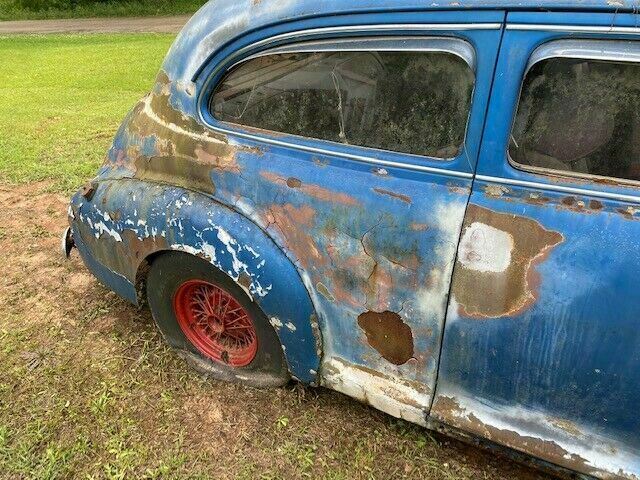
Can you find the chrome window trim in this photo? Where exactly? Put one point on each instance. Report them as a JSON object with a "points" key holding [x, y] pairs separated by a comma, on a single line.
{"points": [[355, 29], [574, 175], [610, 50], [455, 46], [604, 50], [559, 188], [204, 98], [574, 28], [413, 27], [347, 156]]}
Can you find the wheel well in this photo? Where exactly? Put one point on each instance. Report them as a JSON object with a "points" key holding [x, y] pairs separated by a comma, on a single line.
{"points": [[143, 272], [302, 343]]}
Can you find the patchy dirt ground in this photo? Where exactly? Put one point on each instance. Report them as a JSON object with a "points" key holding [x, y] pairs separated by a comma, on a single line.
{"points": [[96, 25], [89, 390]]}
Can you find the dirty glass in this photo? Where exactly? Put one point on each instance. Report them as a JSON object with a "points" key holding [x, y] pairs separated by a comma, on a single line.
{"points": [[580, 116], [410, 102]]}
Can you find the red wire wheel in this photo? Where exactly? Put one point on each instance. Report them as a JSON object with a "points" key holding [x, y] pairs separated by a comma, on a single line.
{"points": [[215, 323]]}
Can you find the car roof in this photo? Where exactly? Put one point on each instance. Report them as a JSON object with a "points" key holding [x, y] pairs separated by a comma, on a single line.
{"points": [[220, 21]]}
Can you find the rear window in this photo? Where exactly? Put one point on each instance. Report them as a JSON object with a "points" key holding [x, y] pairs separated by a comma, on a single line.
{"points": [[580, 116], [409, 102]]}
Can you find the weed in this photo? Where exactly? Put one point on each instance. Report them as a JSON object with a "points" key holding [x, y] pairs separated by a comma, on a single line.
{"points": [[282, 422]]}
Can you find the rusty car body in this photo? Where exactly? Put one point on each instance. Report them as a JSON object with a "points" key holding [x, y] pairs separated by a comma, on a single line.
{"points": [[481, 288]]}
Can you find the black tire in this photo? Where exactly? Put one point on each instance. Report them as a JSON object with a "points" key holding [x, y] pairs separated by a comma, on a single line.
{"points": [[167, 273]]}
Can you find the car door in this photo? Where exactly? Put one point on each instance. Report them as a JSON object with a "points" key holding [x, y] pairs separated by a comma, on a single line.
{"points": [[358, 138], [541, 350]]}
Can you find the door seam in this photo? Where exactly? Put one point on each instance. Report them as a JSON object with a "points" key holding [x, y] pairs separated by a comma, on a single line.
{"points": [[473, 180]]}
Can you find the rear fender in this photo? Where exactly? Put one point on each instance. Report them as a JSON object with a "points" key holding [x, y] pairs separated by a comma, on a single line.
{"points": [[124, 222]]}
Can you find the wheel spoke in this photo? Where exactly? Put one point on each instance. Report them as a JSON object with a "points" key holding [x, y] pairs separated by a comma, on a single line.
{"points": [[244, 319], [240, 327]]}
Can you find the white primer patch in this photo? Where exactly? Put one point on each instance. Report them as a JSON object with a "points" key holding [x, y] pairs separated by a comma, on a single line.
{"points": [[388, 394], [101, 228], [228, 241], [432, 301], [275, 323], [484, 248]]}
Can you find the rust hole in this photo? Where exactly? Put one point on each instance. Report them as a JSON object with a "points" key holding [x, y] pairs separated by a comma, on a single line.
{"points": [[388, 335]]}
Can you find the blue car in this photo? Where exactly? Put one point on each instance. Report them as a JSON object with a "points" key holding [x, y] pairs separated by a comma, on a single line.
{"points": [[432, 207]]}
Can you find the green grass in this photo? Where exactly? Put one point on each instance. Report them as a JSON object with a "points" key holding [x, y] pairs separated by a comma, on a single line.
{"points": [[12, 10], [62, 99]]}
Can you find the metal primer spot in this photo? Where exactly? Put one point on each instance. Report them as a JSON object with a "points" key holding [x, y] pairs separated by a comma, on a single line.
{"points": [[389, 335], [324, 291], [485, 249]]}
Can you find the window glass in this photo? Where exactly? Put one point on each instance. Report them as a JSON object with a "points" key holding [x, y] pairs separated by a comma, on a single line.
{"points": [[580, 116], [410, 102]]}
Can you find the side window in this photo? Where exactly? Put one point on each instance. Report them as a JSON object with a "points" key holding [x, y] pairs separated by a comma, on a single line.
{"points": [[413, 102], [580, 115]]}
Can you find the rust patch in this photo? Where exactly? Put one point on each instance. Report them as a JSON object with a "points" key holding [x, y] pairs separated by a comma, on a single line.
{"points": [[397, 196], [89, 190], [314, 191], [137, 249], [535, 199], [293, 182], [573, 204], [628, 212], [244, 280], [346, 287], [448, 410], [125, 256], [457, 189], [225, 162], [508, 286], [419, 227], [294, 225], [379, 287], [326, 195], [495, 190], [389, 335], [168, 146], [595, 205], [185, 172], [605, 181]]}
